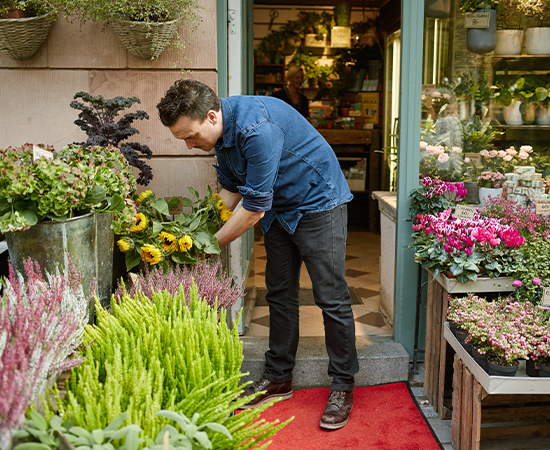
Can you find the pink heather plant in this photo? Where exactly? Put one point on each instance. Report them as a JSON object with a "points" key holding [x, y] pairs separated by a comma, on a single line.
{"points": [[212, 284], [42, 323], [490, 179]]}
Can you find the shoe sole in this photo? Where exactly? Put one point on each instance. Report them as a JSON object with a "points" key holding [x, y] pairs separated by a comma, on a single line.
{"points": [[332, 426], [267, 399]]}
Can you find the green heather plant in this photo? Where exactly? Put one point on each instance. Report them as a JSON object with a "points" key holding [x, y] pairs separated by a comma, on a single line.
{"points": [[160, 353], [76, 181]]}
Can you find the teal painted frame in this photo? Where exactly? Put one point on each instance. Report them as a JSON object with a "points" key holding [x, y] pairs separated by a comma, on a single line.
{"points": [[412, 33], [221, 37]]}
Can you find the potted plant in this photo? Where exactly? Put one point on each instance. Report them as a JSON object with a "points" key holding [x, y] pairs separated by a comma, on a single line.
{"points": [[537, 39], [316, 26], [490, 185], [24, 25], [272, 45], [509, 34], [52, 206], [542, 115], [509, 96], [481, 40], [145, 28]]}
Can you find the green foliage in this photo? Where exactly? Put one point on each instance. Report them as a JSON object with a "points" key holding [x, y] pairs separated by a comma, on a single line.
{"points": [[159, 354], [76, 181], [31, 8], [421, 204], [478, 135], [533, 266], [474, 5]]}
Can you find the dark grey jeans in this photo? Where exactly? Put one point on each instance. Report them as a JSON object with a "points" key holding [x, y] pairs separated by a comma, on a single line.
{"points": [[320, 242]]}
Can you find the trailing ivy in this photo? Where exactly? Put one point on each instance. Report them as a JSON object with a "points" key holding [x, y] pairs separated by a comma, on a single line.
{"points": [[159, 354]]}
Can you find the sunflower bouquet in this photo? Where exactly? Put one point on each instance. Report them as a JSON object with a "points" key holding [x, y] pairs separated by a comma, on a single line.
{"points": [[155, 239]]}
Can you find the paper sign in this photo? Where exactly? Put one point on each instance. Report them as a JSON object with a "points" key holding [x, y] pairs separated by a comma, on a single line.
{"points": [[427, 89], [176, 209], [38, 153], [464, 212], [542, 206], [474, 157], [477, 20], [546, 297]]}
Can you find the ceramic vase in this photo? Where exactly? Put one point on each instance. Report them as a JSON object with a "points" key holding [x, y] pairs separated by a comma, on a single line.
{"points": [[509, 42], [537, 41], [512, 114], [483, 40], [502, 371], [542, 116], [485, 194]]}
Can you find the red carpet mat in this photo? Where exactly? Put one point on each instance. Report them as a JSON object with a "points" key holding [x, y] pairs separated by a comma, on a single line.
{"points": [[384, 417]]}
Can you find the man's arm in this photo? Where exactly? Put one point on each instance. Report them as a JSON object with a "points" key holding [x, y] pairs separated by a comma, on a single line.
{"points": [[237, 224], [231, 199]]}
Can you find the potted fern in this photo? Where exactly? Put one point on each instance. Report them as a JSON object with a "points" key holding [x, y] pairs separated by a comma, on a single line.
{"points": [[145, 28], [24, 25]]}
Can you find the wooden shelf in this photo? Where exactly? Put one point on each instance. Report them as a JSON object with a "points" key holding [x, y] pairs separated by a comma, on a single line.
{"points": [[344, 137], [269, 82], [524, 127]]}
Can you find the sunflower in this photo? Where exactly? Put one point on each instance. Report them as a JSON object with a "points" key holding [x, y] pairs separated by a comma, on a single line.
{"points": [[141, 223], [144, 195], [220, 204], [151, 254], [169, 241], [123, 245], [185, 243], [225, 214]]}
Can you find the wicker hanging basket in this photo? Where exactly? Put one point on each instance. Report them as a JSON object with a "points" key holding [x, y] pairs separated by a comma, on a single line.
{"points": [[145, 40], [21, 38]]}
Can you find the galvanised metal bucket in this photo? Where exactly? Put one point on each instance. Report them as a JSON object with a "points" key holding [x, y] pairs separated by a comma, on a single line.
{"points": [[88, 239]]}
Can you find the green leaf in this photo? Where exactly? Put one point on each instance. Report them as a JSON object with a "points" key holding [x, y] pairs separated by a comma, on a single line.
{"points": [[96, 195], [183, 258], [161, 206], [132, 259], [157, 227], [39, 421], [132, 440], [32, 446], [219, 428], [117, 422], [56, 423], [202, 437], [456, 270], [195, 223], [173, 202], [117, 203], [19, 434], [81, 432], [180, 419], [97, 436], [208, 242], [186, 202], [119, 434], [195, 193]]}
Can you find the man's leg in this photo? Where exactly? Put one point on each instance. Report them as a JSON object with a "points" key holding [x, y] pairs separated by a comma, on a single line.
{"points": [[282, 280], [321, 238]]}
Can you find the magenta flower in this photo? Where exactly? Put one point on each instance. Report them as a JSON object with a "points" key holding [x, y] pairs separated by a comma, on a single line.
{"points": [[536, 281], [517, 283]]}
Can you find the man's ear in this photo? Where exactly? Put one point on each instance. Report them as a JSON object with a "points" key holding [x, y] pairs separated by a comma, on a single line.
{"points": [[212, 116]]}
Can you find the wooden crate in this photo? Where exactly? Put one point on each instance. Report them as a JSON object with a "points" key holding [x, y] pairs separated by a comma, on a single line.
{"points": [[438, 356], [496, 421]]}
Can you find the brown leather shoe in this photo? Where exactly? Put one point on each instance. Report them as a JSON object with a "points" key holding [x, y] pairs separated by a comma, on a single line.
{"points": [[272, 390], [336, 414]]}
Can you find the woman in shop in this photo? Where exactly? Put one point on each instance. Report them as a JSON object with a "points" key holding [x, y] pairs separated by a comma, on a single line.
{"points": [[291, 93]]}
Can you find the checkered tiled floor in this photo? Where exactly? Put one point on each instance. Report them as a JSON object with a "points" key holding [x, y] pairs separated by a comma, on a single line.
{"points": [[362, 266]]}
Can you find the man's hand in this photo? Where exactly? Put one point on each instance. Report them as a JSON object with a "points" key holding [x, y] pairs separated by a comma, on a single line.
{"points": [[237, 224]]}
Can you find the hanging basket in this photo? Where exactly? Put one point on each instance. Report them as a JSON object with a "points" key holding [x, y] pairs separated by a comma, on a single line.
{"points": [[145, 39], [21, 38]]}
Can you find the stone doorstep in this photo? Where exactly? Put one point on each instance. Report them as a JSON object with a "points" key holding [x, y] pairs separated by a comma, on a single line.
{"points": [[381, 360]]}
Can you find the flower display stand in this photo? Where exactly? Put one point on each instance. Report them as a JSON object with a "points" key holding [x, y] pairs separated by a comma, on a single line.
{"points": [[438, 359], [497, 412]]}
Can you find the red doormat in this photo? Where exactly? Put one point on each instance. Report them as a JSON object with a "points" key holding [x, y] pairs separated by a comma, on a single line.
{"points": [[384, 417]]}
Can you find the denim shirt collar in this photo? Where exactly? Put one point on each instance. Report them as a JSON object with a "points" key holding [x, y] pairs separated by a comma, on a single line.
{"points": [[228, 138]]}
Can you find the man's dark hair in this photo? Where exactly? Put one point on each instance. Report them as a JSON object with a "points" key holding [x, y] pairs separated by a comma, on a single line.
{"points": [[189, 98]]}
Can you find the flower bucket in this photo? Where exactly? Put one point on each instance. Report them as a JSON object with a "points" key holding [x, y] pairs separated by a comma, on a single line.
{"points": [[483, 40], [542, 116], [89, 241], [342, 14], [472, 189], [502, 371], [509, 42], [537, 41], [486, 193], [512, 114]]}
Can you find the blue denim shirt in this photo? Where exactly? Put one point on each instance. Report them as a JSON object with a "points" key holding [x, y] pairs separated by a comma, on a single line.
{"points": [[277, 161]]}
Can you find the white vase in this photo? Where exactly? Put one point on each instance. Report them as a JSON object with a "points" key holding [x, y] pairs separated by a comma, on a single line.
{"points": [[543, 115], [509, 42], [537, 41], [512, 114], [486, 193]]}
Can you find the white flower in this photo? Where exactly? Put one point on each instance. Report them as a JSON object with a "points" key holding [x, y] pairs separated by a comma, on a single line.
{"points": [[526, 148], [423, 145], [523, 155], [508, 158], [439, 150], [430, 149], [512, 151], [493, 153], [443, 158], [457, 150], [501, 153], [484, 153], [436, 94], [466, 160]]}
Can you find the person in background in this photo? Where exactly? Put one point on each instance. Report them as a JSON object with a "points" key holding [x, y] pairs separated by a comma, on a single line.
{"points": [[291, 93], [289, 180]]}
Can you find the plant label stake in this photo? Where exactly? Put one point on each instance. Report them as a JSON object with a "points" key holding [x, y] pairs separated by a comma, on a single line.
{"points": [[546, 297], [542, 206], [475, 158], [38, 153], [477, 20], [464, 212]]}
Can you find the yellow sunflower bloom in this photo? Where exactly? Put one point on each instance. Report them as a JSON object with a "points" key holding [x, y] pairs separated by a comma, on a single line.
{"points": [[151, 254], [185, 243], [220, 204], [225, 214], [169, 241], [144, 195], [141, 223], [215, 197], [123, 245]]}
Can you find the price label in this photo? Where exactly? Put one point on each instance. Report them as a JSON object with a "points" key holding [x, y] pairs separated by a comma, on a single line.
{"points": [[176, 209], [546, 297], [542, 206], [477, 20], [38, 153], [474, 157], [427, 89], [465, 212]]}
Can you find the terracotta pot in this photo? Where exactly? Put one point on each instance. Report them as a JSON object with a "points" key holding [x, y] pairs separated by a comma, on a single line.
{"points": [[14, 13], [345, 111]]}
